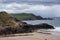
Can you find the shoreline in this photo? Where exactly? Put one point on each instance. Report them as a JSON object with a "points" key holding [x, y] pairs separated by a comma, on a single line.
{"points": [[31, 36], [55, 31], [43, 31]]}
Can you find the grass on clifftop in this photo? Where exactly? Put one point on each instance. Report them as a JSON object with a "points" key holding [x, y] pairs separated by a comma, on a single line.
{"points": [[6, 19], [23, 15]]}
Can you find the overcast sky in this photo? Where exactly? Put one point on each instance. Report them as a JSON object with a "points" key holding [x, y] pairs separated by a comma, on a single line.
{"points": [[45, 8]]}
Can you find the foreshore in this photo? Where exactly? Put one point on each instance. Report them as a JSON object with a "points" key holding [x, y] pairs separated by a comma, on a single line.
{"points": [[31, 36]]}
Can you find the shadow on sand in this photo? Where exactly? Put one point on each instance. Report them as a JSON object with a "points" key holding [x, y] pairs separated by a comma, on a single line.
{"points": [[14, 35]]}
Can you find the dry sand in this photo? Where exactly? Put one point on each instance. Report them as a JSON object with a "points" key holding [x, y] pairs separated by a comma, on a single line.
{"points": [[31, 36]]}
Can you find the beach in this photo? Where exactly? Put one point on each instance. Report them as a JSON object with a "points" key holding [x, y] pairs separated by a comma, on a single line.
{"points": [[31, 36]]}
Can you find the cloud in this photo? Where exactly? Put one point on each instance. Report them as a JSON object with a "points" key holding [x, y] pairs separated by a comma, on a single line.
{"points": [[43, 10], [2, 0], [13, 7], [34, 2]]}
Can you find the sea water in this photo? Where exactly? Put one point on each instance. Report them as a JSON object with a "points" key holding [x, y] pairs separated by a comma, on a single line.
{"points": [[55, 23]]}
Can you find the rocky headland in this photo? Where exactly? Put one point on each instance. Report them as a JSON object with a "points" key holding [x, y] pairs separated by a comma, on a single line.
{"points": [[11, 25], [29, 16]]}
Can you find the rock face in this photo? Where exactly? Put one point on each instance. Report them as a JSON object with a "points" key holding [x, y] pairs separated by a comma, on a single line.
{"points": [[9, 24], [31, 28], [44, 26], [6, 19]]}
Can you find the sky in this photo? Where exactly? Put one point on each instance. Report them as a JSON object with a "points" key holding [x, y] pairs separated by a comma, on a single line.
{"points": [[44, 8]]}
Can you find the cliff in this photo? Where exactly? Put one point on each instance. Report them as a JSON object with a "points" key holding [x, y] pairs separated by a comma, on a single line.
{"points": [[29, 16]]}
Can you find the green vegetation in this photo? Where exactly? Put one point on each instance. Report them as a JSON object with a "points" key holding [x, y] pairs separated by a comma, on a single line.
{"points": [[25, 16], [6, 19], [29, 16]]}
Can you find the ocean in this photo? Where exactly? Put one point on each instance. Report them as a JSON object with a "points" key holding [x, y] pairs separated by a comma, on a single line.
{"points": [[55, 23]]}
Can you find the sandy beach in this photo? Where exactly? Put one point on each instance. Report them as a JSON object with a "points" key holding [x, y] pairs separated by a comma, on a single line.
{"points": [[31, 36]]}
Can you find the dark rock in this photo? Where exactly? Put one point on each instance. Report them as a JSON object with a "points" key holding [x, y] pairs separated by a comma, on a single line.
{"points": [[28, 28], [10, 30], [46, 26], [31, 28], [24, 23], [43, 26], [25, 28]]}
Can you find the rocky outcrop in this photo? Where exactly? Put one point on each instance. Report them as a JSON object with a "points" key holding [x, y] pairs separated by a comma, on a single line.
{"points": [[44, 26], [11, 25], [25, 28], [29, 16], [48, 26], [31, 28]]}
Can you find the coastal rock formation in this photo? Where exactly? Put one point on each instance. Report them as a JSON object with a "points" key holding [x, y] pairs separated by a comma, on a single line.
{"points": [[7, 20], [11, 25], [31, 28], [29, 16], [44, 26]]}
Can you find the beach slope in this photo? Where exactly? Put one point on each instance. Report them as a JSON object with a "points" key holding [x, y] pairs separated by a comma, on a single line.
{"points": [[31, 36]]}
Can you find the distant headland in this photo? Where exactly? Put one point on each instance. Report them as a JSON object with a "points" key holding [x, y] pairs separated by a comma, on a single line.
{"points": [[29, 16]]}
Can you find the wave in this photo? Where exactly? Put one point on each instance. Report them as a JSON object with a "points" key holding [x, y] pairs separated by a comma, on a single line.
{"points": [[55, 31]]}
